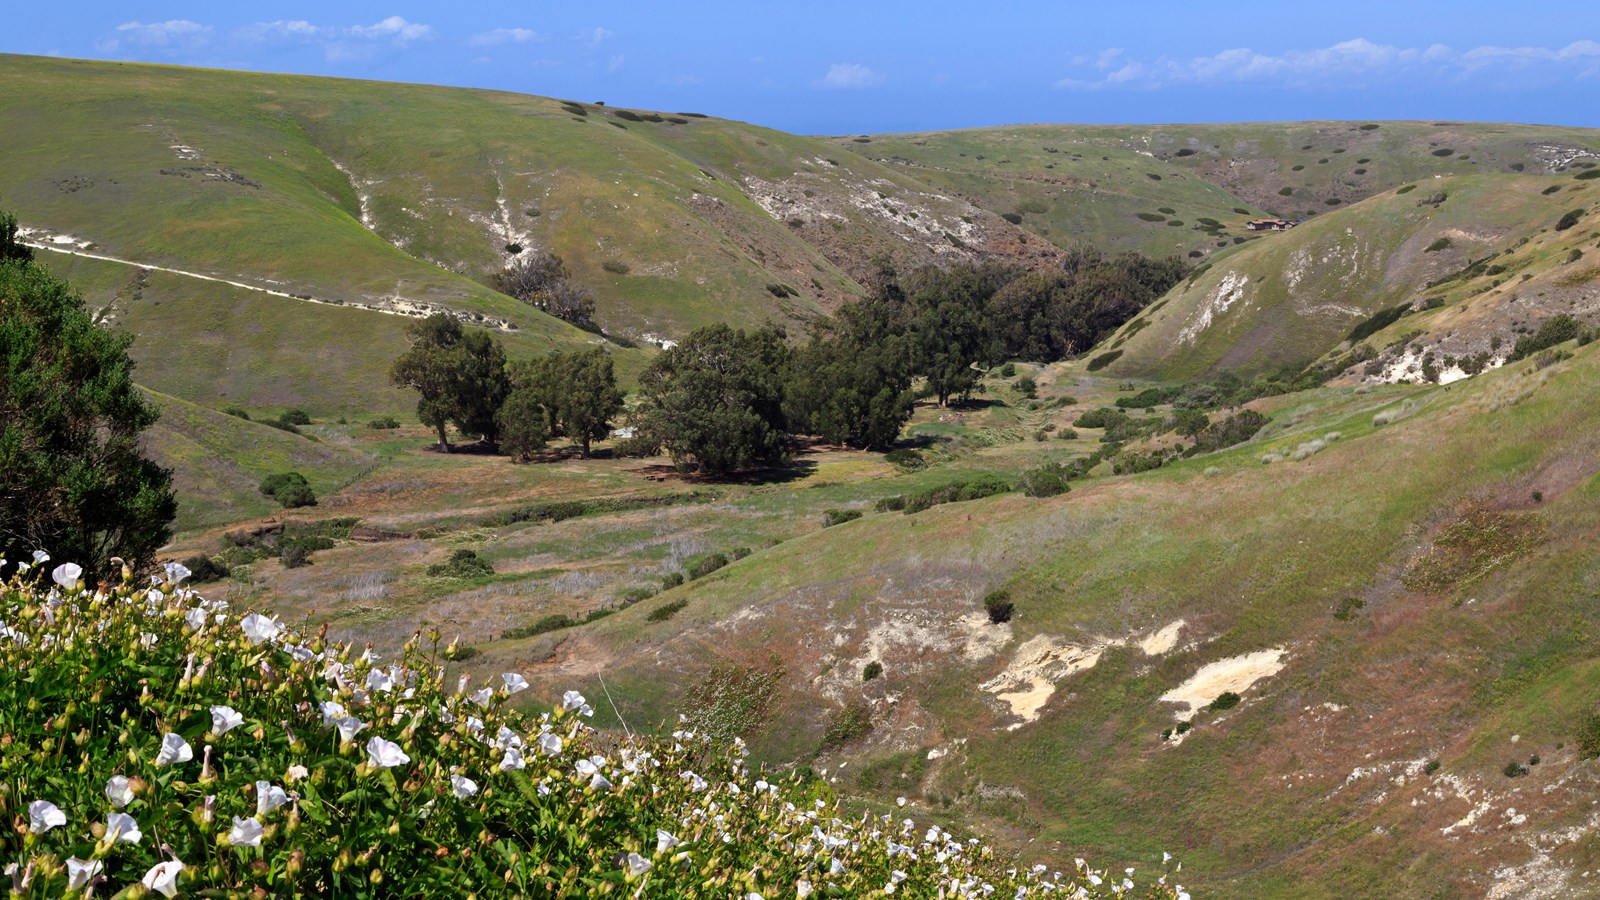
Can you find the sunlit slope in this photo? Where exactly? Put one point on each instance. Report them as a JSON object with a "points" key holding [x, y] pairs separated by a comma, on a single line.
{"points": [[1288, 298], [218, 461], [1083, 182], [1455, 545], [391, 194]]}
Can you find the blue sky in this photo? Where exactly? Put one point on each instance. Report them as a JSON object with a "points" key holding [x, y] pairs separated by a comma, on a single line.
{"points": [[827, 67]]}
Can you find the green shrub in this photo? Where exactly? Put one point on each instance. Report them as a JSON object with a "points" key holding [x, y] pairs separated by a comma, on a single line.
{"points": [[295, 416], [847, 724], [1587, 736], [384, 423], [615, 267], [1587, 175], [1009, 370], [1377, 322], [906, 459], [705, 565], [839, 516], [738, 553], [1444, 151], [1241, 211], [293, 556], [238, 412], [1569, 220], [281, 425], [871, 670], [1551, 189], [203, 569], [1225, 700], [1286, 191], [671, 580], [1406, 189], [1431, 767], [1348, 608], [1183, 727], [998, 605], [1553, 331], [1514, 769], [1027, 387], [1013, 218], [462, 564], [1437, 245], [290, 489], [1152, 217], [543, 625], [667, 610], [1045, 481]]}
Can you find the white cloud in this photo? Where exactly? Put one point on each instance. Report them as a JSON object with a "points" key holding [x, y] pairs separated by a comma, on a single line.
{"points": [[615, 65], [162, 32], [1355, 62], [341, 43], [849, 75], [170, 35], [394, 27], [594, 36], [505, 36]]}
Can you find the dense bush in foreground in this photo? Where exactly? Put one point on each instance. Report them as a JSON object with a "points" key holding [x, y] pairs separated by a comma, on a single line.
{"points": [[156, 744]]}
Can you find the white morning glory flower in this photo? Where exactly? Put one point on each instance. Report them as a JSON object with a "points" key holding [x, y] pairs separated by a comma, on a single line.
{"points": [[513, 759], [163, 878], [80, 872], [245, 833], [174, 749], [802, 889], [295, 773], [177, 572], [385, 754], [482, 696], [224, 719], [638, 865], [260, 628], [40, 557], [269, 797], [572, 700], [195, 618], [122, 827], [118, 791], [67, 575], [462, 786], [331, 711], [665, 841], [44, 815], [514, 683], [599, 783], [379, 680], [549, 744], [349, 727]]}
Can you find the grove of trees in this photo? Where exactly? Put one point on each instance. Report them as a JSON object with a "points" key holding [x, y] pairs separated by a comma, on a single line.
{"points": [[726, 399], [73, 481], [463, 379]]}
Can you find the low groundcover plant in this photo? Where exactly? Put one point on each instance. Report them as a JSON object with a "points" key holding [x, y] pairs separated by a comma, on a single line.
{"points": [[153, 743]]}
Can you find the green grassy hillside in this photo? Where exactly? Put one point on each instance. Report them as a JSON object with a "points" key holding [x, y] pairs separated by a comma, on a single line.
{"points": [[1085, 182], [1288, 298], [1414, 588], [389, 194]]}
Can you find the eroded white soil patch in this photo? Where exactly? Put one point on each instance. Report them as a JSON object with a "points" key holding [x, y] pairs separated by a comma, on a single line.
{"points": [[1234, 674], [1028, 682]]}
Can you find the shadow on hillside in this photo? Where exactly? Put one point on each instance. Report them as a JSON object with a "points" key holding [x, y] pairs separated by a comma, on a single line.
{"points": [[795, 471]]}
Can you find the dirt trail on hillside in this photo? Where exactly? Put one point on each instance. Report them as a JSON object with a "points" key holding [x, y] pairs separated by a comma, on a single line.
{"points": [[389, 306]]}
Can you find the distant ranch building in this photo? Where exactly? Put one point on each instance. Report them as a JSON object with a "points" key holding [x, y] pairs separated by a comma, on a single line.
{"points": [[1270, 224]]}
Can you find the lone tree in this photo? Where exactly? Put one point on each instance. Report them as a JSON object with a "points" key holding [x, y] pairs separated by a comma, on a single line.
{"points": [[715, 401], [72, 479], [586, 395], [852, 383], [541, 280], [460, 375]]}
